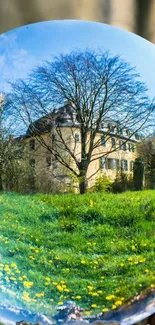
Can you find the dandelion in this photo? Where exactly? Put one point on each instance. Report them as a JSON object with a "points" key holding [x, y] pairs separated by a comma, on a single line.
{"points": [[59, 288], [102, 277], [55, 283], [121, 264], [95, 294], [28, 284], [66, 290], [51, 299], [110, 297], [78, 297], [93, 305], [60, 303], [87, 312], [146, 271], [104, 310], [83, 262], [13, 265], [100, 291], [118, 303], [41, 294], [90, 287], [113, 307]]}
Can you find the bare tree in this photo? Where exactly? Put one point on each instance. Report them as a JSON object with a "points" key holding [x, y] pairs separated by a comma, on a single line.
{"points": [[98, 87]]}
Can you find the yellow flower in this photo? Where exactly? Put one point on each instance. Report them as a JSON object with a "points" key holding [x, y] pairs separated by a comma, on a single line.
{"points": [[87, 312], [48, 279], [52, 299], [60, 303], [41, 294], [90, 287], [113, 307], [146, 271], [100, 291], [93, 305], [102, 277], [152, 285], [83, 262], [91, 203], [118, 302], [24, 276], [110, 297], [121, 264], [12, 278], [13, 265], [59, 287], [78, 297], [55, 283], [105, 309], [95, 294], [28, 284]]}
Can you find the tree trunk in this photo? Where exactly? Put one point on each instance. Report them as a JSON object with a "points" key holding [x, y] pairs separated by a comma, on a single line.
{"points": [[83, 182], [83, 187]]}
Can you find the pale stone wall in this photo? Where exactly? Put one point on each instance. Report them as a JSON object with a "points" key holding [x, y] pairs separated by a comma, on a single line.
{"points": [[47, 178]]}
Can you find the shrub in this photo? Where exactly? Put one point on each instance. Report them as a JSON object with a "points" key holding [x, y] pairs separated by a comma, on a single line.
{"points": [[102, 184], [122, 183]]}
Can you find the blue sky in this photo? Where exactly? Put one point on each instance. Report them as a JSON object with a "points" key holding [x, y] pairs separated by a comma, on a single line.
{"points": [[24, 48]]}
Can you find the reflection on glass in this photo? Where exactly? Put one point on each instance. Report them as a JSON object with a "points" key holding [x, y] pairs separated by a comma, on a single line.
{"points": [[76, 175]]}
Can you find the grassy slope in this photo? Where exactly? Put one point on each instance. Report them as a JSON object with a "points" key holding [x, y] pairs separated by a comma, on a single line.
{"points": [[97, 249]]}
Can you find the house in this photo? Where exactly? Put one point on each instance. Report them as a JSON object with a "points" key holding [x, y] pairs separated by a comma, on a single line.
{"points": [[59, 132]]}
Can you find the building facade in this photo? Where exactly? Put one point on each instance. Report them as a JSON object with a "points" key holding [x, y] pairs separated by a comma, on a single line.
{"points": [[46, 139]]}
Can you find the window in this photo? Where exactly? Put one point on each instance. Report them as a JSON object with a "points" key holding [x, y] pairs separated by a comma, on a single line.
{"points": [[77, 137], [32, 163], [103, 163], [122, 145], [103, 140], [111, 127], [48, 161], [131, 166], [129, 146], [133, 148], [32, 145], [137, 137], [113, 142], [111, 163], [117, 164], [124, 165]]}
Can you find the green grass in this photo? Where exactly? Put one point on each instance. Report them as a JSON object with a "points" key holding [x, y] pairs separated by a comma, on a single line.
{"points": [[97, 249]]}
